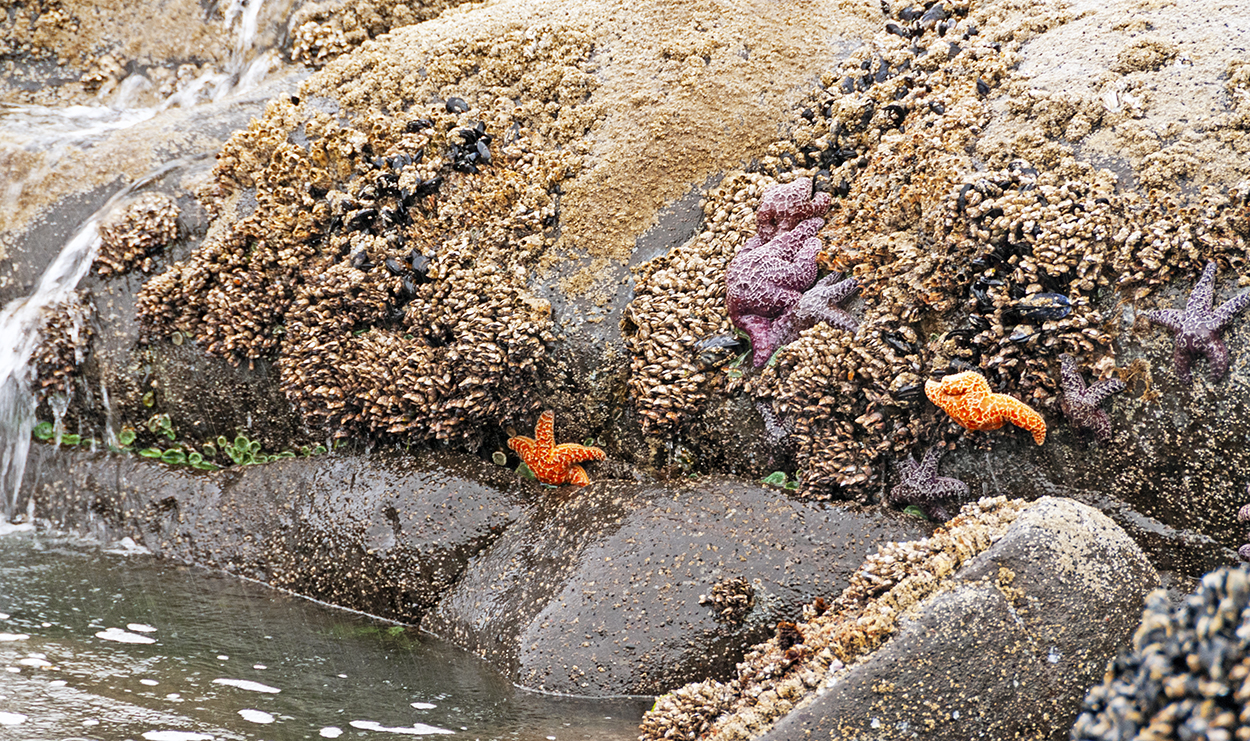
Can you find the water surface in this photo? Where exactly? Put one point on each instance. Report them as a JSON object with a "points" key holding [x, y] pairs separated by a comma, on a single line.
{"points": [[100, 643]]}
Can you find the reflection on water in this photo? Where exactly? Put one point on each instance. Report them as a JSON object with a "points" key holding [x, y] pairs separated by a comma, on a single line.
{"points": [[101, 645]]}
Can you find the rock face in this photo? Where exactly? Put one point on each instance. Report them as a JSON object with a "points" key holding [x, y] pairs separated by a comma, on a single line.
{"points": [[597, 591], [1005, 648], [989, 629], [383, 535]]}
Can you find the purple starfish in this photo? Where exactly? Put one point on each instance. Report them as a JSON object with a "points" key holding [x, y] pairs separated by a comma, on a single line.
{"points": [[1081, 404], [769, 274], [1197, 328], [817, 304], [922, 486], [1243, 516]]}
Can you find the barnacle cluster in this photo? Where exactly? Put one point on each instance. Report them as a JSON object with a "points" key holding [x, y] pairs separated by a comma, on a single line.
{"points": [[131, 235], [778, 675], [65, 337], [1187, 674], [381, 257], [732, 598], [322, 31], [999, 265]]}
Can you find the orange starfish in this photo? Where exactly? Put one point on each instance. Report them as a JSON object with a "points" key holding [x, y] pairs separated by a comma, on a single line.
{"points": [[551, 463], [967, 398]]}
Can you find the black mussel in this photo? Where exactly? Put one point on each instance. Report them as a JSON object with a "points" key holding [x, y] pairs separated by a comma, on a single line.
{"points": [[362, 219], [971, 30], [468, 136], [808, 114], [400, 161], [1043, 306], [419, 262], [789, 159], [953, 50], [379, 163], [409, 286], [430, 186], [483, 153], [937, 107], [869, 110], [843, 189], [959, 365], [992, 214], [909, 14], [933, 15], [978, 322], [961, 332], [393, 266], [943, 27], [896, 341], [388, 216], [456, 105], [1023, 333], [910, 392], [983, 87], [717, 348], [360, 261], [1102, 201], [883, 72], [417, 124], [896, 113], [479, 129], [821, 182], [962, 201], [896, 29], [847, 85]]}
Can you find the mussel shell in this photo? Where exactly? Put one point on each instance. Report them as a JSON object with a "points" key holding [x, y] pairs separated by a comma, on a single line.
{"points": [[393, 266], [456, 105], [1043, 306]]}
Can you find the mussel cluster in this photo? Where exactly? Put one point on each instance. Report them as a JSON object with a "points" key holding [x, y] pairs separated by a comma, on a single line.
{"points": [[65, 340], [732, 598], [1187, 674], [382, 270], [131, 235]]}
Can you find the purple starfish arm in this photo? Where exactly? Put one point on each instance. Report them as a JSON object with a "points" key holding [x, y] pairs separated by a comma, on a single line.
{"points": [[784, 206], [922, 486], [1197, 329], [1081, 403], [818, 304]]}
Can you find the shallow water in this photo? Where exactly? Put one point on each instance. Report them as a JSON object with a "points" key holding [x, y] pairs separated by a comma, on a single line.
{"points": [[99, 644]]}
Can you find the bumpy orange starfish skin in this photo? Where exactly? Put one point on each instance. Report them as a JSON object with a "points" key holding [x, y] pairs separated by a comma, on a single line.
{"points": [[554, 464], [967, 398]]}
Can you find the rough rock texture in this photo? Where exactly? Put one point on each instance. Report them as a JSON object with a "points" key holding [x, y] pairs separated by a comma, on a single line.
{"points": [[1006, 648], [940, 640], [596, 591], [384, 535]]}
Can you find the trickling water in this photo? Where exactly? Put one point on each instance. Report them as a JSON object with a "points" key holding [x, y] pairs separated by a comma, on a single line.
{"points": [[21, 325]]}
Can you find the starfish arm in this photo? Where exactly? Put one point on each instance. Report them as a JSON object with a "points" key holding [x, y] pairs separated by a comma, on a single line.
{"points": [[1170, 318], [1099, 423], [947, 488], [1070, 377], [568, 453], [904, 493], [1097, 393], [577, 476], [795, 256], [545, 430], [1182, 358], [1230, 308], [1217, 357], [524, 446], [927, 470], [1199, 303], [1022, 415]]}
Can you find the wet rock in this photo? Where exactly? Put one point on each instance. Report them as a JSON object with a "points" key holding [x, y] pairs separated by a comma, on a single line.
{"points": [[596, 591], [385, 535], [1005, 649]]}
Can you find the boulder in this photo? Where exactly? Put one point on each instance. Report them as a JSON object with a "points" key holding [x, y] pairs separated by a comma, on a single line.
{"points": [[992, 628], [623, 588], [385, 535]]}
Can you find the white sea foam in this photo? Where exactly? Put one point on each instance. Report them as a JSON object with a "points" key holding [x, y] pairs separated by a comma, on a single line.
{"points": [[35, 662], [256, 716], [122, 636], [176, 736], [247, 684], [419, 729], [424, 705], [13, 636], [331, 732], [11, 719], [140, 628], [149, 682]]}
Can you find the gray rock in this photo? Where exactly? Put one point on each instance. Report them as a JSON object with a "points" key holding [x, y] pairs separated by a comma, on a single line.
{"points": [[1008, 650], [386, 535], [597, 591]]}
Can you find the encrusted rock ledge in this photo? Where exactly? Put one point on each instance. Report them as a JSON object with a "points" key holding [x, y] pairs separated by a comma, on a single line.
{"points": [[992, 628]]}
